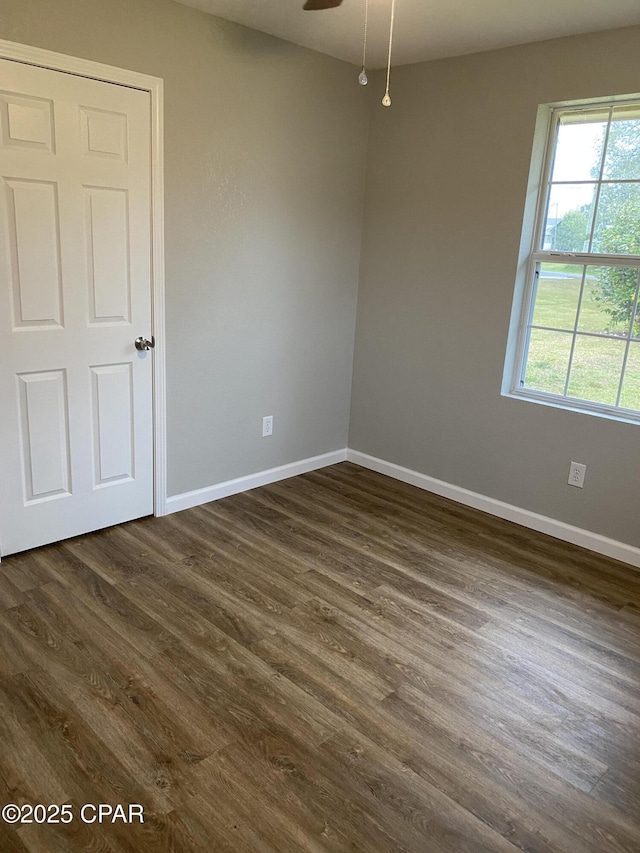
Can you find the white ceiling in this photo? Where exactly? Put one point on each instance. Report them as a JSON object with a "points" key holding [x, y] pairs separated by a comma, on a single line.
{"points": [[425, 29]]}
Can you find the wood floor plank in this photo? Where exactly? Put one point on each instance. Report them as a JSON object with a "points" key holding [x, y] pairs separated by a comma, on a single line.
{"points": [[451, 561], [146, 635], [10, 841], [471, 532], [29, 766], [26, 571], [345, 815], [577, 675], [314, 549], [336, 662], [10, 595], [447, 825], [591, 823], [249, 781], [409, 650], [598, 734], [517, 725], [180, 726], [619, 789]]}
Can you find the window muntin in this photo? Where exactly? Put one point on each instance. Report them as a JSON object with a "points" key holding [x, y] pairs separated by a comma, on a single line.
{"points": [[580, 337]]}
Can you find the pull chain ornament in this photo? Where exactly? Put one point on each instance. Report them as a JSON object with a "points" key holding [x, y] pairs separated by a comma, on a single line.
{"points": [[386, 101], [362, 77]]}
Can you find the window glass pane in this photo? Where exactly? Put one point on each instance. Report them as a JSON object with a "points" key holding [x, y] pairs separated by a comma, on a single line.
{"points": [[567, 226], [622, 160], [617, 230], [579, 146], [630, 396], [584, 317], [608, 300], [548, 360], [595, 370], [557, 295]]}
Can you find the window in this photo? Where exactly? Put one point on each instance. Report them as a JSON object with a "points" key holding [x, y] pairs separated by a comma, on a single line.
{"points": [[579, 336]]}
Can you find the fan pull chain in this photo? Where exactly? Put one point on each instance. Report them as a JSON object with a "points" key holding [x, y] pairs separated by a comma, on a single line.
{"points": [[362, 77], [386, 101]]}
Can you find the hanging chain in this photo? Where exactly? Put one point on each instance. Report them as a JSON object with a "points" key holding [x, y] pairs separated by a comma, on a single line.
{"points": [[387, 98], [362, 77], [366, 26]]}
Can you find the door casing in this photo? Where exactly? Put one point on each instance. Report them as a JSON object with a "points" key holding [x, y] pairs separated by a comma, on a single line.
{"points": [[154, 85]]}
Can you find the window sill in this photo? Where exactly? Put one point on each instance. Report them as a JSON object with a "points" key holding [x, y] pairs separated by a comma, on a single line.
{"points": [[584, 407]]}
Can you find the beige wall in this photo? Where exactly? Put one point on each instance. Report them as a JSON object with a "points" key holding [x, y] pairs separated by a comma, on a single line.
{"points": [[265, 153], [447, 175]]}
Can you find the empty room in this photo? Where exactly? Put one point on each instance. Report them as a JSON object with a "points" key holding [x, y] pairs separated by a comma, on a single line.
{"points": [[319, 426]]}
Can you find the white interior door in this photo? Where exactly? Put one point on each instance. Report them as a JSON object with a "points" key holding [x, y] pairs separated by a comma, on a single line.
{"points": [[76, 420]]}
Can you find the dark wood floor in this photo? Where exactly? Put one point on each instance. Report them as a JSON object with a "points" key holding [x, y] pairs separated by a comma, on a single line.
{"points": [[336, 662]]}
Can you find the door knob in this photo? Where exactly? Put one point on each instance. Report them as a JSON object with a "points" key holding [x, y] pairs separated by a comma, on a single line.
{"points": [[143, 344]]}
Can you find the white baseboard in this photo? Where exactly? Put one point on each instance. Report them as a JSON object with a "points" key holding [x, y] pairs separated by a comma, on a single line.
{"points": [[542, 523], [186, 500]]}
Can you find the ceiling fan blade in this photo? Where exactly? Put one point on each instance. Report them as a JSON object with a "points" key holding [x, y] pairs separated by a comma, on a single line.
{"points": [[316, 5]]}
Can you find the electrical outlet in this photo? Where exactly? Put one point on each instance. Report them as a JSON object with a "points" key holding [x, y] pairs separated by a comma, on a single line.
{"points": [[576, 474], [267, 426]]}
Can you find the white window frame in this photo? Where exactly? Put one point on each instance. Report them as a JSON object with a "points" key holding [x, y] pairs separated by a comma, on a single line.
{"points": [[530, 256]]}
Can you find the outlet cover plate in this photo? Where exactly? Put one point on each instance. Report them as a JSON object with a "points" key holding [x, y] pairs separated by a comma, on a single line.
{"points": [[577, 473]]}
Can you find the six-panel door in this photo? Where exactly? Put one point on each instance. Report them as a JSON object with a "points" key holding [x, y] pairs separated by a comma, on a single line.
{"points": [[76, 430]]}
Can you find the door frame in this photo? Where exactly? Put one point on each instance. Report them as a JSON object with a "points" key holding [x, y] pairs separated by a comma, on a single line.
{"points": [[28, 55]]}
